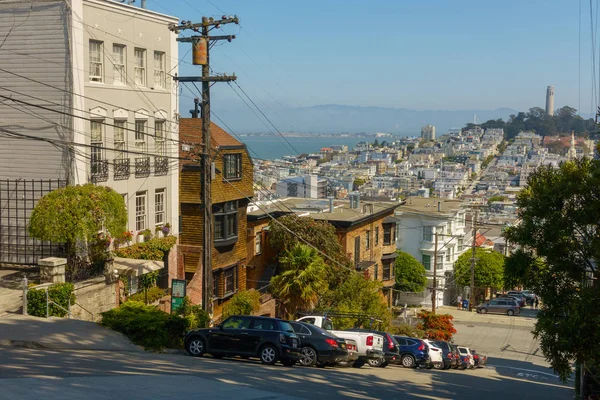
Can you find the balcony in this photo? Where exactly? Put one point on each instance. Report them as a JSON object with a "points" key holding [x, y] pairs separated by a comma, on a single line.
{"points": [[142, 167], [121, 169], [161, 166], [99, 169]]}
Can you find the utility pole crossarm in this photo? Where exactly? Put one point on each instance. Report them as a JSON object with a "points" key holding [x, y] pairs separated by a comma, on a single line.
{"points": [[218, 78], [206, 22], [192, 39]]}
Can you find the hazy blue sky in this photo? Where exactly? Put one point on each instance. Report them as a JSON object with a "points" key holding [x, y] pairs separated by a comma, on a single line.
{"points": [[445, 54]]}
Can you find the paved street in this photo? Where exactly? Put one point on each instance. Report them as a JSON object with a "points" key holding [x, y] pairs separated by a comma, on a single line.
{"points": [[517, 371]]}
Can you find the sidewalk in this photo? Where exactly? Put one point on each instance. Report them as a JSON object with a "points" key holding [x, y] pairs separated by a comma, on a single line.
{"points": [[60, 333]]}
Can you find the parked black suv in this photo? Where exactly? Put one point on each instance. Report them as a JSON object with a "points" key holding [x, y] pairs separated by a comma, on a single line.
{"points": [[391, 349], [269, 339], [319, 347]]}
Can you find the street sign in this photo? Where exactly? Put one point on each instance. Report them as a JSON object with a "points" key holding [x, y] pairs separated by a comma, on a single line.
{"points": [[178, 292]]}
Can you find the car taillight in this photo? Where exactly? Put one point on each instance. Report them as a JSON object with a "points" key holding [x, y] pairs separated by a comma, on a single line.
{"points": [[450, 355], [370, 341], [422, 346], [390, 342], [331, 342], [475, 356], [282, 338], [350, 347]]}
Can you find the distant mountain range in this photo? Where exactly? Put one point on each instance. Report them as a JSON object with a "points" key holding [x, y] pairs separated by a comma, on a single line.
{"points": [[334, 118]]}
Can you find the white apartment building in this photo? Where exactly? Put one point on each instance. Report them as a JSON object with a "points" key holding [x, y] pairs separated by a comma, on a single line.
{"points": [[309, 186], [102, 70], [428, 132], [419, 220]]}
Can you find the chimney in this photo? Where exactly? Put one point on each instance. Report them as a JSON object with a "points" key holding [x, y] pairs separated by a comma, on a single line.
{"points": [[439, 206], [330, 204]]}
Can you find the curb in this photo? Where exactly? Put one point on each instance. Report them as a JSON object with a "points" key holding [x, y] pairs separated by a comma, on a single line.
{"points": [[27, 344]]}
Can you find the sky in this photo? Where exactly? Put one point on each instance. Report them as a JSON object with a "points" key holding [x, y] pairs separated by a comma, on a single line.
{"points": [[423, 55]]}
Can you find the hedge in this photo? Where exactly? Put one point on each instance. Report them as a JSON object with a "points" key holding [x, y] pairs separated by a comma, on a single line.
{"points": [[60, 293], [152, 328]]}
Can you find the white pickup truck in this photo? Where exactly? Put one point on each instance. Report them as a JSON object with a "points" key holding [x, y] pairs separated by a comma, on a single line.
{"points": [[370, 345]]}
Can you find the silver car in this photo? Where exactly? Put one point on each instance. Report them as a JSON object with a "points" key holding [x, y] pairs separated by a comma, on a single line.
{"points": [[499, 306]]}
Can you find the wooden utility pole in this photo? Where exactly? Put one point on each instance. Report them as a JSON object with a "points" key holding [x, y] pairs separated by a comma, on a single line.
{"points": [[473, 260], [201, 47], [434, 290]]}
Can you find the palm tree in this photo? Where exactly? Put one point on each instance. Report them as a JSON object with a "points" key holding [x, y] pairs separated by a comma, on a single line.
{"points": [[303, 279]]}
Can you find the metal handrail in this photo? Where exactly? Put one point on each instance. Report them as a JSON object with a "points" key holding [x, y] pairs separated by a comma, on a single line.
{"points": [[61, 307], [84, 309]]}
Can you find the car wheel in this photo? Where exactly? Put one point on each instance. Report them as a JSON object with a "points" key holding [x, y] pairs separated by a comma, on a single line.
{"points": [[510, 312], [195, 347], [408, 361], [308, 356], [268, 354], [375, 362], [439, 365], [358, 364], [483, 311], [344, 364]]}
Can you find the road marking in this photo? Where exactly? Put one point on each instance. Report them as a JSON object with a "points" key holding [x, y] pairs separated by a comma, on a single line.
{"points": [[524, 369]]}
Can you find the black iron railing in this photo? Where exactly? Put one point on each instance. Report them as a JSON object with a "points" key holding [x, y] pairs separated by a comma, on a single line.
{"points": [[99, 170], [161, 165], [121, 169], [142, 167]]}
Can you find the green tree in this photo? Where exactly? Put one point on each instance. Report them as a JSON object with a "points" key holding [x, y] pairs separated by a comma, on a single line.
{"points": [[360, 296], [489, 269], [246, 302], [304, 277], [410, 273], [76, 214], [290, 230], [358, 182], [560, 223]]}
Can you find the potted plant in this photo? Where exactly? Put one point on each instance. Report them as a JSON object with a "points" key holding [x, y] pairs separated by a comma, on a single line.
{"points": [[166, 229], [147, 233], [140, 237], [158, 231], [128, 237]]}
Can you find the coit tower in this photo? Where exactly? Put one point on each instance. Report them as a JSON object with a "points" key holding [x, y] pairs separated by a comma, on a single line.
{"points": [[550, 100]]}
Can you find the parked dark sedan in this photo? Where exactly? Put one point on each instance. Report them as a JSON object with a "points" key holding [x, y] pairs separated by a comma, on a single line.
{"points": [[269, 339], [319, 347], [449, 354], [413, 352], [391, 349]]}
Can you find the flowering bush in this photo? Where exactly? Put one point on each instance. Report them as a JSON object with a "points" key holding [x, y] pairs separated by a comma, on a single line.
{"points": [[436, 326]]}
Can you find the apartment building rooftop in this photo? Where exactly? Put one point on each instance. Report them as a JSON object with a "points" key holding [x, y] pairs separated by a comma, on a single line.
{"points": [[342, 215], [430, 206]]}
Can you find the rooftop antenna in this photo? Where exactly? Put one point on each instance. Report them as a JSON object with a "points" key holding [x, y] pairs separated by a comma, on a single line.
{"points": [[474, 119]]}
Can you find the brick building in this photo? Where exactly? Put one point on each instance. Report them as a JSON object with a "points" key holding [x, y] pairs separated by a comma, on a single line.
{"points": [[366, 231], [231, 190]]}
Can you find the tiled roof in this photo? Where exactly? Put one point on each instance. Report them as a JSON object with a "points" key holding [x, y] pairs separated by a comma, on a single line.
{"points": [[190, 130], [481, 240]]}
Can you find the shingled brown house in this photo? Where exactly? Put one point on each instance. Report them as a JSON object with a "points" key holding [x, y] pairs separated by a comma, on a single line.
{"points": [[232, 187]]}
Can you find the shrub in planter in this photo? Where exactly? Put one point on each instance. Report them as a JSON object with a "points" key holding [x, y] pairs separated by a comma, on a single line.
{"points": [[246, 302], [154, 294], [60, 293]]}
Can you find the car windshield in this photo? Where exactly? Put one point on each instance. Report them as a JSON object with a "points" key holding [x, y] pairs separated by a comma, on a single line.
{"points": [[286, 326]]}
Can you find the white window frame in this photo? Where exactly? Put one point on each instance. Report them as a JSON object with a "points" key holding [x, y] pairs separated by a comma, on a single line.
{"points": [[159, 70], [96, 54], [120, 139], [159, 206], [140, 210], [141, 127], [97, 139], [119, 64], [159, 136], [140, 66], [427, 265], [428, 233]]}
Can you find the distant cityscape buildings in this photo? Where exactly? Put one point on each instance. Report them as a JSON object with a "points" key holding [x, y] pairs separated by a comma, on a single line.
{"points": [[428, 132], [550, 100]]}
